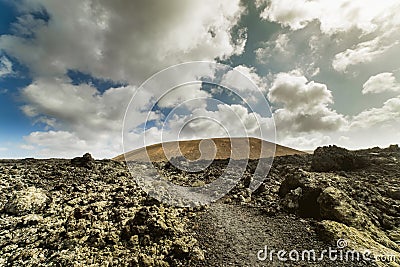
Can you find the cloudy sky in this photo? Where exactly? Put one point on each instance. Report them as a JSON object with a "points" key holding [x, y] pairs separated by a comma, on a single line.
{"points": [[68, 69]]}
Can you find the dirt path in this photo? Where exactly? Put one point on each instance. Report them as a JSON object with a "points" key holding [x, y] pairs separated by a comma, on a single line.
{"points": [[231, 235]]}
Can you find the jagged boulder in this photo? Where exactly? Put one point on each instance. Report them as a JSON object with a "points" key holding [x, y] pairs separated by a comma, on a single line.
{"points": [[300, 191], [393, 148], [292, 199], [86, 161], [27, 201], [360, 240], [333, 158], [336, 205], [152, 221]]}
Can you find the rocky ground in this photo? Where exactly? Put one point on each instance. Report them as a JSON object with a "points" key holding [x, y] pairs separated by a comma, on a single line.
{"points": [[86, 212]]}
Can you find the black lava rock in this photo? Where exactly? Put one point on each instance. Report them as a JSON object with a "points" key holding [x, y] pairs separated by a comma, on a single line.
{"points": [[333, 158], [86, 161]]}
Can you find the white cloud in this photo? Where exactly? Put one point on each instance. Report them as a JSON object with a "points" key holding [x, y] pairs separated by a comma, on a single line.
{"points": [[295, 92], [80, 114], [334, 16], [238, 120], [190, 95], [290, 50], [27, 25], [5, 67], [77, 105], [57, 144], [123, 40], [386, 116], [344, 140], [3, 148], [374, 127], [362, 53], [27, 147], [119, 41], [305, 141], [282, 42], [381, 82], [277, 47], [130, 41], [364, 30], [227, 120], [305, 105], [235, 79]]}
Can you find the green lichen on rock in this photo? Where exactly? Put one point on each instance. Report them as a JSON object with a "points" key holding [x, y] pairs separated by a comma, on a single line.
{"points": [[29, 200], [359, 240]]}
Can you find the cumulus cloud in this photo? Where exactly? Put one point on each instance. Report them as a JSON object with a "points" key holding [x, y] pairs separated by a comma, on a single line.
{"points": [[305, 105], [376, 126], [381, 82], [362, 53], [77, 105], [122, 40], [226, 120], [235, 79], [5, 67], [280, 46], [305, 141], [129, 41], [386, 116], [66, 144], [333, 16], [79, 113], [189, 94], [110, 40], [364, 31]]}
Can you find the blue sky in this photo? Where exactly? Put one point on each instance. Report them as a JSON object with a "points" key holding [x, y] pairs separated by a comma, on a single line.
{"points": [[329, 70]]}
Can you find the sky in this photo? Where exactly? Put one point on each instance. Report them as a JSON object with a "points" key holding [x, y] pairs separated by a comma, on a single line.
{"points": [[329, 71]]}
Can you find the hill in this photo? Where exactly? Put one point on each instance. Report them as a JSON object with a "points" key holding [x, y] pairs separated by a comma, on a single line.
{"points": [[222, 148]]}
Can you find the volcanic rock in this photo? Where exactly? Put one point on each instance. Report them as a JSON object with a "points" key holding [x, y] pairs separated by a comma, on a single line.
{"points": [[333, 158], [96, 214], [84, 161], [30, 200], [300, 191], [335, 205]]}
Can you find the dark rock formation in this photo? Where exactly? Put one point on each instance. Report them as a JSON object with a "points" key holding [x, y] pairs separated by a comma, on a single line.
{"points": [[29, 200], [349, 202], [85, 161], [333, 158], [301, 189], [393, 148]]}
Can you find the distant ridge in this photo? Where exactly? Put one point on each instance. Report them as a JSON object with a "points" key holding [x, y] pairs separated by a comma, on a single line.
{"points": [[190, 149]]}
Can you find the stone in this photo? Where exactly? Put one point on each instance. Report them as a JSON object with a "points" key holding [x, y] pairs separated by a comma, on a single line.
{"points": [[86, 161], [145, 260], [335, 205], [358, 240], [183, 246], [393, 148], [291, 199], [333, 158], [394, 194], [30, 200], [304, 202]]}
